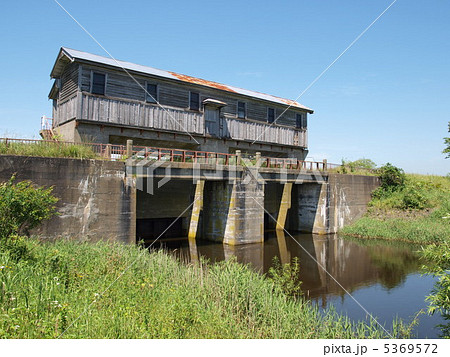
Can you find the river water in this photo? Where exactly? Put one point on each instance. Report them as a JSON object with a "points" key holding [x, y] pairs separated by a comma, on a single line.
{"points": [[355, 276]]}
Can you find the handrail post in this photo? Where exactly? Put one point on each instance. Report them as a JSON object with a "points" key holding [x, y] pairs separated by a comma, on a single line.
{"points": [[129, 148], [107, 151], [238, 157], [258, 159], [325, 164]]}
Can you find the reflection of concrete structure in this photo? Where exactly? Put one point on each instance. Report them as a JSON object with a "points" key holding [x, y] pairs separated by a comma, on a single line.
{"points": [[285, 256], [352, 265]]}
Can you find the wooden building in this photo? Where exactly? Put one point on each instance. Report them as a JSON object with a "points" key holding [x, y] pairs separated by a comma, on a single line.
{"points": [[98, 99]]}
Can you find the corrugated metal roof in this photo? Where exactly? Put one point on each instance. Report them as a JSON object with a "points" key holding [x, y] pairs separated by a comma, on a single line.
{"points": [[85, 56]]}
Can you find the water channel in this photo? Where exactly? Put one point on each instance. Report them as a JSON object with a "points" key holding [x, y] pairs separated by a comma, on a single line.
{"points": [[383, 277]]}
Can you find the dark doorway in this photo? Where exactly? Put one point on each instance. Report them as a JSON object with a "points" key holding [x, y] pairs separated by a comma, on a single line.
{"points": [[148, 229]]}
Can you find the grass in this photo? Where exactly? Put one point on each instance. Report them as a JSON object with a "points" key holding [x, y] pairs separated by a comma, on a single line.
{"points": [[120, 291], [390, 216], [45, 149], [352, 171]]}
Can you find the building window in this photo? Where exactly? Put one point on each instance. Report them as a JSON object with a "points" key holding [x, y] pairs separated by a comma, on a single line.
{"points": [[270, 115], [98, 83], [241, 112], [152, 93], [300, 121], [194, 101]]}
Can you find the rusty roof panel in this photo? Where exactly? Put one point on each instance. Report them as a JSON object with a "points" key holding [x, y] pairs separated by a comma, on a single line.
{"points": [[203, 82]]}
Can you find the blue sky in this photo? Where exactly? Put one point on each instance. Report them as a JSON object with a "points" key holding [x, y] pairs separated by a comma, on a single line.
{"points": [[387, 98]]}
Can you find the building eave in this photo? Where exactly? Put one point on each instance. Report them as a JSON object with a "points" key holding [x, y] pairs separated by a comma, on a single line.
{"points": [[61, 62]]}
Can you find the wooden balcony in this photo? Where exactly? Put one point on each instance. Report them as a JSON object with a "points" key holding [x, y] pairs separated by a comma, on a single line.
{"points": [[139, 114], [239, 129]]}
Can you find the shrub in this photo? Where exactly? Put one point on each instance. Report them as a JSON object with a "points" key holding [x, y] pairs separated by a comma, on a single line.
{"points": [[392, 178], [17, 248], [23, 207], [362, 164], [439, 300], [357, 167], [414, 199], [286, 277]]}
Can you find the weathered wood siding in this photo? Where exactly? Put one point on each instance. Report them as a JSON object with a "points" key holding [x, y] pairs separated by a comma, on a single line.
{"points": [[120, 85], [69, 82], [65, 110], [245, 130], [139, 114]]}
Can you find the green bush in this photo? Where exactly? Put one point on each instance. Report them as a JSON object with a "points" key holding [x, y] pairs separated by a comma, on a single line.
{"points": [[286, 277], [439, 300], [392, 178], [413, 198], [362, 164], [357, 167], [23, 207]]}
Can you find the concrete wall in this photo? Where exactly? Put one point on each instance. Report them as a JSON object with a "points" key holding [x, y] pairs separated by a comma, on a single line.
{"points": [[349, 196], [216, 206], [272, 200], [308, 212], [328, 207], [169, 201], [95, 203]]}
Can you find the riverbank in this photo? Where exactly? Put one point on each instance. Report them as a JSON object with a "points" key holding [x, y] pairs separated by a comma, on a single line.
{"points": [[419, 212], [84, 290]]}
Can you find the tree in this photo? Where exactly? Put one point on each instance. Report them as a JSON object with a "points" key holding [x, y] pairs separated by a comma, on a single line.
{"points": [[447, 144]]}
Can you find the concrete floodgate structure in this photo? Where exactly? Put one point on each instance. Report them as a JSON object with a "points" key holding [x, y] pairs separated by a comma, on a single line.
{"points": [[234, 204]]}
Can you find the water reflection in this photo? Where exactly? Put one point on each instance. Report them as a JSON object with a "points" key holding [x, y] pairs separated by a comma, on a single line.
{"points": [[351, 264], [382, 276]]}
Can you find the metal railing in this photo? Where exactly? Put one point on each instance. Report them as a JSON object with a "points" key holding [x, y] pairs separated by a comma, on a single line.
{"points": [[122, 152], [46, 123], [186, 156], [294, 164]]}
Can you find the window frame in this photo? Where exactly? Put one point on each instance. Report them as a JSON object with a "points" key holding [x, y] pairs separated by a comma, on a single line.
{"points": [[299, 120], [198, 101], [148, 98], [304, 121], [92, 82], [245, 110], [268, 117]]}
